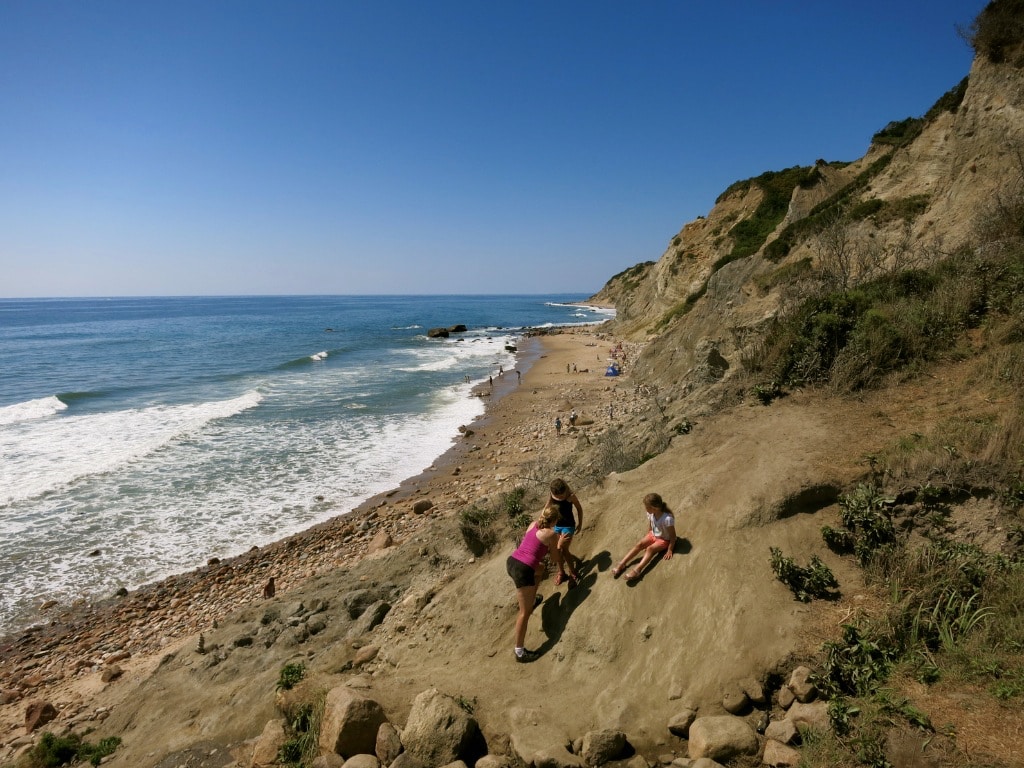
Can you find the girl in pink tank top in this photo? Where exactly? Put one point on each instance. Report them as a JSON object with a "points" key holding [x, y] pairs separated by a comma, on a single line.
{"points": [[524, 566]]}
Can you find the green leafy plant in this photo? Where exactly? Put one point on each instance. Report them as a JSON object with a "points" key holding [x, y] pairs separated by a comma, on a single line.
{"points": [[855, 664], [865, 515], [841, 714], [53, 751], [839, 540], [291, 675], [290, 752], [514, 504], [815, 580], [767, 392]]}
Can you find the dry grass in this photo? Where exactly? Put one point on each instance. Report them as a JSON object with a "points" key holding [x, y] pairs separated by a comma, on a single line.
{"points": [[982, 727]]}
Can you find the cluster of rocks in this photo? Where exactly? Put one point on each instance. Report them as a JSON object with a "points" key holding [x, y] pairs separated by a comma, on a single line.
{"points": [[355, 732], [443, 333], [90, 639]]}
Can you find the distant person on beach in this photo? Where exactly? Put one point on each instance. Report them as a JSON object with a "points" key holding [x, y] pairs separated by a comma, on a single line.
{"points": [[572, 418], [519, 375], [558, 425], [661, 537], [525, 566], [563, 500]]}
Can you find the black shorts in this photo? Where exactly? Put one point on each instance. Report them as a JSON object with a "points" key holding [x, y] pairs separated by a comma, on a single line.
{"points": [[522, 574]]}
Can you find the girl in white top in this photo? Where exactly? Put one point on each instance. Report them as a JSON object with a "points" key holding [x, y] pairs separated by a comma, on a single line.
{"points": [[660, 538]]}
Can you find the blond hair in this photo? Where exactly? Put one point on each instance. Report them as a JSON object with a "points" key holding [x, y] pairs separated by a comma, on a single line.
{"points": [[547, 518]]}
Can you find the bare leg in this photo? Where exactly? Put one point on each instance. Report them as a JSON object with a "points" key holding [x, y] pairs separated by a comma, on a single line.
{"points": [[652, 550], [629, 556], [526, 597], [566, 566]]}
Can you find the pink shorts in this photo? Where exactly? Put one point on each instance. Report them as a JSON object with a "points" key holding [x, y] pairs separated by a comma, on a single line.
{"points": [[653, 541]]}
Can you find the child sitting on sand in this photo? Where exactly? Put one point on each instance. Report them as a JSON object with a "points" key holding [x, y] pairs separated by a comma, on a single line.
{"points": [[660, 538]]}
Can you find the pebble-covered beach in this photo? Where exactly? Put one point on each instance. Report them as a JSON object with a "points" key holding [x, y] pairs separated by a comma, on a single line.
{"points": [[66, 656]]}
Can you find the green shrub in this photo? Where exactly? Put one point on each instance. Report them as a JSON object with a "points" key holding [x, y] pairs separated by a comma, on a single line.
{"points": [[766, 393], [899, 133], [840, 541], [290, 676], [806, 583], [950, 101], [53, 751], [868, 520], [998, 31], [777, 188], [855, 664], [852, 339]]}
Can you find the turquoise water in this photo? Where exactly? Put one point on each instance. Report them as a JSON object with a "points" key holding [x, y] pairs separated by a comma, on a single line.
{"points": [[165, 431]]}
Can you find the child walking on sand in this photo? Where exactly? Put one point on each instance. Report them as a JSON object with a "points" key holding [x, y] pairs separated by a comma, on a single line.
{"points": [[660, 538], [563, 500]]}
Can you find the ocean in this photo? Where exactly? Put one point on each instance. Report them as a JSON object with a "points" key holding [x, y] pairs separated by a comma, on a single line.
{"points": [[139, 437]]}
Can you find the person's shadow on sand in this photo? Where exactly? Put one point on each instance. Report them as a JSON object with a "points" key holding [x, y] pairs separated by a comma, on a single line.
{"points": [[682, 547], [558, 609]]}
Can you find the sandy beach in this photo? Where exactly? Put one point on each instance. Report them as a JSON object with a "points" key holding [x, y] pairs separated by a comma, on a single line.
{"points": [[66, 658]]}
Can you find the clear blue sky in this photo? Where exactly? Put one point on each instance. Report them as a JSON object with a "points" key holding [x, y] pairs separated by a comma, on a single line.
{"points": [[386, 146]]}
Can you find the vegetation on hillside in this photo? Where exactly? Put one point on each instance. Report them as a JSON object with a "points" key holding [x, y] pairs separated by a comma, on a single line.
{"points": [[953, 616], [749, 234], [998, 32]]}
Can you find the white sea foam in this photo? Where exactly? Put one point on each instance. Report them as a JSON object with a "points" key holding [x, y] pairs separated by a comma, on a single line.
{"points": [[31, 409], [44, 455], [451, 353], [181, 505]]}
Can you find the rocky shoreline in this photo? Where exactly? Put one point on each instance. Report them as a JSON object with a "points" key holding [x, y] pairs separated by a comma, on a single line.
{"points": [[78, 650]]}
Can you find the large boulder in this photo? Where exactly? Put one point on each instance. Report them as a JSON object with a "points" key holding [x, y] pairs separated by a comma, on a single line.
{"points": [[680, 723], [604, 746], [801, 683], [389, 743], [268, 745], [38, 713], [350, 723], [439, 731], [721, 737], [437, 333], [812, 715]]}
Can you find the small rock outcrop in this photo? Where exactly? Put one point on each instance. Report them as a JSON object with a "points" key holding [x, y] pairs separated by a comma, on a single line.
{"points": [[38, 713], [604, 746], [439, 731], [350, 723], [721, 737]]}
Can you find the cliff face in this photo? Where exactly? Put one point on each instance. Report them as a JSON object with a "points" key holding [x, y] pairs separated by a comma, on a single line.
{"points": [[700, 308]]}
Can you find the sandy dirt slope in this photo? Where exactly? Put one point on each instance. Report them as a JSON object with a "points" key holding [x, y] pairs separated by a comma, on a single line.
{"points": [[615, 654]]}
